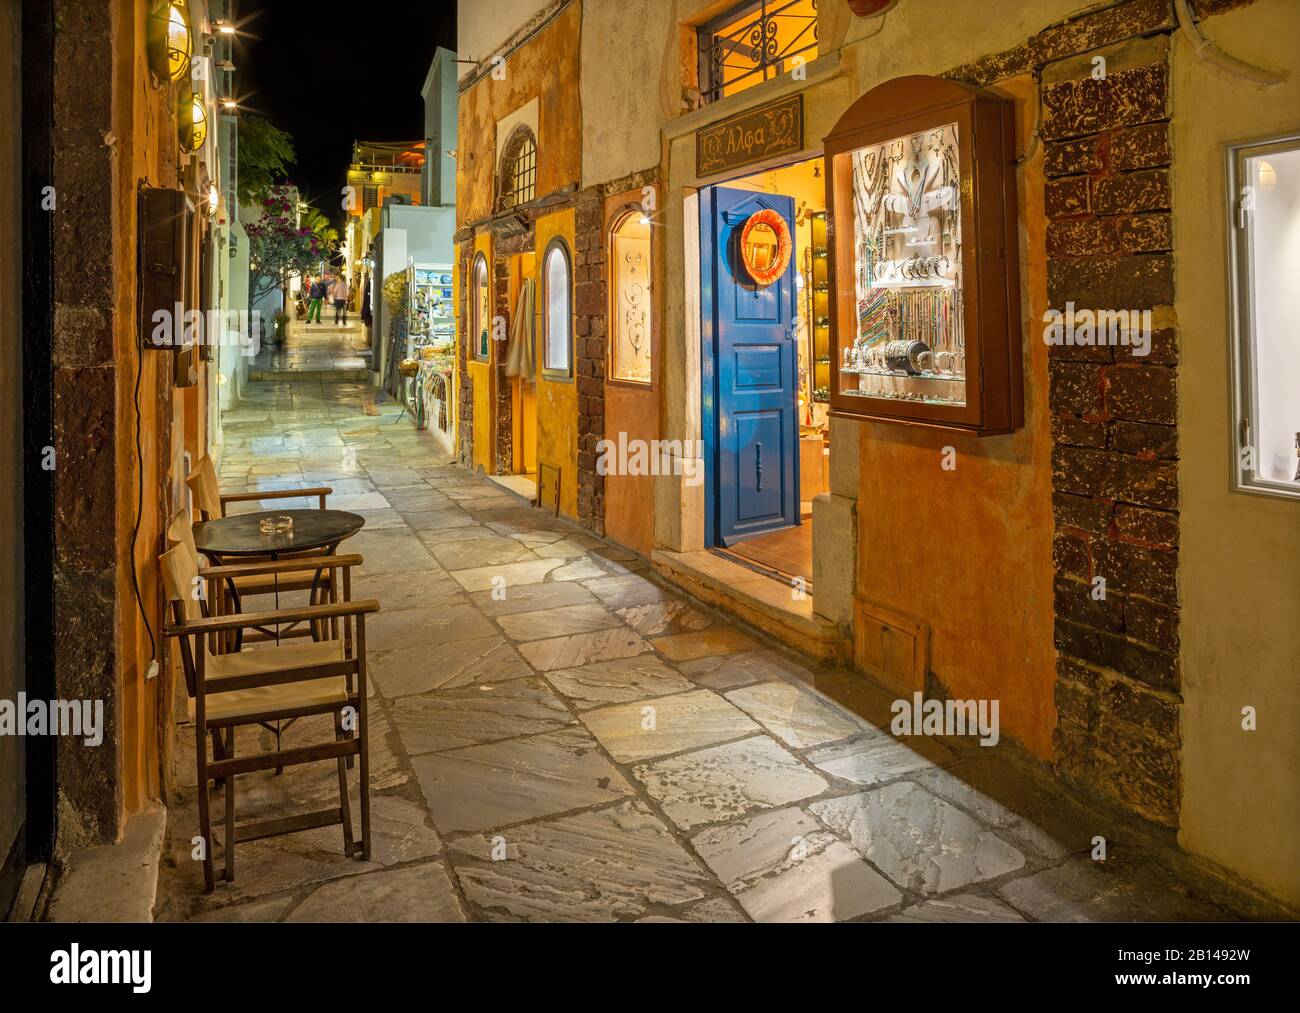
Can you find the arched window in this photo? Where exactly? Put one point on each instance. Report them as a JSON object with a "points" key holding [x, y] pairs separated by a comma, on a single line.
{"points": [[480, 309], [518, 182], [631, 320], [557, 293]]}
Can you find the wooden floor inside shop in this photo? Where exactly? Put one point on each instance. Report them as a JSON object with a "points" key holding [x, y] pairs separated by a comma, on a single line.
{"points": [[786, 553]]}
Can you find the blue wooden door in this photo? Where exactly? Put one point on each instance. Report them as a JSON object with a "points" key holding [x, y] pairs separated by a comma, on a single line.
{"points": [[752, 421]]}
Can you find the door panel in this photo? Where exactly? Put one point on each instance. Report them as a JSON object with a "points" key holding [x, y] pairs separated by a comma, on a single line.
{"points": [[756, 478]]}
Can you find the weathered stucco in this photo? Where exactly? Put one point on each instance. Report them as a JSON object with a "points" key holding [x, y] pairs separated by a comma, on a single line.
{"points": [[546, 69], [1239, 578]]}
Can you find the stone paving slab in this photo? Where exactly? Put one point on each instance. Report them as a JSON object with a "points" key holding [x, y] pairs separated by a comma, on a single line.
{"points": [[917, 839], [784, 867], [727, 781], [612, 863], [480, 713], [617, 681], [666, 725], [496, 785], [793, 716], [511, 669]]}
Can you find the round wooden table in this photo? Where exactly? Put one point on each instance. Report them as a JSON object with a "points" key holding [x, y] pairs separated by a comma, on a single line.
{"points": [[241, 535]]}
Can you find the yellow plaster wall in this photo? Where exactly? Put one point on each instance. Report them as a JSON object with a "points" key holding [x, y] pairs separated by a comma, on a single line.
{"points": [[557, 400], [1239, 555], [480, 372]]}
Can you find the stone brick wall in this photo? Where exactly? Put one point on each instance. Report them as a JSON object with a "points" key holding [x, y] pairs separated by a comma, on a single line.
{"points": [[1107, 159], [589, 308], [465, 387]]}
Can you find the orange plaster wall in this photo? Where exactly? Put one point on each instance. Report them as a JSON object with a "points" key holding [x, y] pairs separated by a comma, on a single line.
{"points": [[147, 127], [633, 409], [546, 69], [969, 552]]}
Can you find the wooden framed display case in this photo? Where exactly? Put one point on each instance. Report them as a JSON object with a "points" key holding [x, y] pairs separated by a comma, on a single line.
{"points": [[925, 321]]}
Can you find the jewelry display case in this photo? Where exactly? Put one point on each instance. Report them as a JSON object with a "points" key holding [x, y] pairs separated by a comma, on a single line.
{"points": [[925, 326]]}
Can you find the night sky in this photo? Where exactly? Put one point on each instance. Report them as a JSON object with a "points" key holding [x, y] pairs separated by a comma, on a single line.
{"points": [[332, 75]]}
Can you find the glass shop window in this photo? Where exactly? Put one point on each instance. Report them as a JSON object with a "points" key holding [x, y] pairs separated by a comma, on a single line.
{"points": [[909, 343], [1265, 250], [481, 309], [558, 359], [630, 338], [754, 42]]}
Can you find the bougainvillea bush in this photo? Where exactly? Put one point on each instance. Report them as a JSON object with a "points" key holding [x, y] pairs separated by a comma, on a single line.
{"points": [[278, 247]]}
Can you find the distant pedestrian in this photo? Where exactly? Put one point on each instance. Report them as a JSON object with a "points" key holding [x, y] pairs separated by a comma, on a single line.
{"points": [[339, 292], [316, 298]]}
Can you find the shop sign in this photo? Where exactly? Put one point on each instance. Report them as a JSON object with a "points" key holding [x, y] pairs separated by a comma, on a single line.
{"points": [[774, 129]]}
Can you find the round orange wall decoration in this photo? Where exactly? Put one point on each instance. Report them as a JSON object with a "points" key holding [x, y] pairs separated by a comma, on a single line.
{"points": [[765, 246]]}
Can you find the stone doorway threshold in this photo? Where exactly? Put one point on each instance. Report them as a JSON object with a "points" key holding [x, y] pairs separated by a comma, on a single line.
{"points": [[524, 486], [764, 602]]}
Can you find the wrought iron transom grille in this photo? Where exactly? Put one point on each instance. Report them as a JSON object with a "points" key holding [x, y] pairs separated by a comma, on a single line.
{"points": [[754, 42], [519, 169]]}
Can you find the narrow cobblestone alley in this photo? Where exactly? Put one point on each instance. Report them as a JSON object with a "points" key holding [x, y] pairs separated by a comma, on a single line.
{"points": [[589, 745]]}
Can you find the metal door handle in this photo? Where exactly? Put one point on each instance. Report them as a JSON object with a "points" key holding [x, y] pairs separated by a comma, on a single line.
{"points": [[758, 467]]}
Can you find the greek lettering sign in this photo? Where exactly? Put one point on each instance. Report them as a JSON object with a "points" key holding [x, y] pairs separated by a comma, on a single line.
{"points": [[773, 129]]}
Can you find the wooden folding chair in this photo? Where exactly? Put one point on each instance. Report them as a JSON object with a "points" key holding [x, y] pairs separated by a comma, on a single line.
{"points": [[270, 684], [211, 503]]}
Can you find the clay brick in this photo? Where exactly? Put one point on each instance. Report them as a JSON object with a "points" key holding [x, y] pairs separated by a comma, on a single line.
{"points": [[1151, 527], [1135, 569], [1068, 158], [1144, 147], [1102, 28], [1163, 350], [1152, 622], [1082, 512], [1075, 432], [1123, 98], [1132, 192], [1145, 439], [1158, 669], [1116, 477], [1087, 238], [1070, 554], [1066, 196], [1145, 233], [1073, 600], [1075, 705], [1075, 387], [1117, 283], [1141, 393]]}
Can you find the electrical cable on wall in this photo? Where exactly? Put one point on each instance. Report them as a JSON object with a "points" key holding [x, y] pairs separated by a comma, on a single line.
{"points": [[139, 506]]}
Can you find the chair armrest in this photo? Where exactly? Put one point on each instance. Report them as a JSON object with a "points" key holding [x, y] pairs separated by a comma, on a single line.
{"points": [[246, 497], [299, 564], [247, 620]]}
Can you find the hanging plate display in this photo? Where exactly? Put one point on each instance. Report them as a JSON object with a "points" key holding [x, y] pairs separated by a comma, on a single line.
{"points": [[765, 246]]}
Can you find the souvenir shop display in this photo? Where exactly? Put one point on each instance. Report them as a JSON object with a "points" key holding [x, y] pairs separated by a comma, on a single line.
{"points": [[925, 323], [431, 344]]}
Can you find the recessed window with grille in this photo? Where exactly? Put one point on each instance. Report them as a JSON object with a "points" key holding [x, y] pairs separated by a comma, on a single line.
{"points": [[518, 169], [369, 197], [754, 42], [1265, 191]]}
